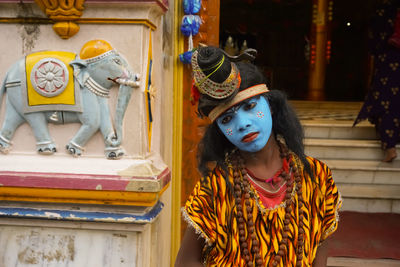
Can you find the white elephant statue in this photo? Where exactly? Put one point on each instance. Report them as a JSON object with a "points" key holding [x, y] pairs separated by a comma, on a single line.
{"points": [[61, 87]]}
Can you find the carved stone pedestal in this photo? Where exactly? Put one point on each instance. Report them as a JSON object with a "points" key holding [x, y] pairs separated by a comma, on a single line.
{"points": [[100, 217]]}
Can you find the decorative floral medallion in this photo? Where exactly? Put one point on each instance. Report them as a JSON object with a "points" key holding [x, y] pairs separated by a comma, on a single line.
{"points": [[260, 114], [49, 77]]}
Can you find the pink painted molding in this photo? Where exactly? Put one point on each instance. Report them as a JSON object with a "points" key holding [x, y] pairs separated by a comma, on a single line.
{"points": [[85, 181], [162, 3], [17, 1]]}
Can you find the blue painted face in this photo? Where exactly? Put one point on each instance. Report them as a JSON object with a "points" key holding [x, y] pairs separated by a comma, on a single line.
{"points": [[247, 125]]}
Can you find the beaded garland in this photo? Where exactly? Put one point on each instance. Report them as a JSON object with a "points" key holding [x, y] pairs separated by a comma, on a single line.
{"points": [[96, 88], [242, 189], [100, 57], [211, 88]]}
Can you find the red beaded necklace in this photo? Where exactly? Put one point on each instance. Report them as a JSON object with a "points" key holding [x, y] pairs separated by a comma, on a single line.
{"points": [[242, 189], [274, 180]]}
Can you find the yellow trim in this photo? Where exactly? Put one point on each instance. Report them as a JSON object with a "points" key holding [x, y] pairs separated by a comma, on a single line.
{"points": [[144, 22], [147, 91], [26, 20], [147, 199], [177, 137]]}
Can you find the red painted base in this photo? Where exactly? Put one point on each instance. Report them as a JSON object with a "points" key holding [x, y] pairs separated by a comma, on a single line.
{"points": [[367, 235]]}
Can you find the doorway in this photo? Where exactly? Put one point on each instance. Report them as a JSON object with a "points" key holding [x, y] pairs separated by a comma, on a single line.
{"points": [[349, 70], [280, 31]]}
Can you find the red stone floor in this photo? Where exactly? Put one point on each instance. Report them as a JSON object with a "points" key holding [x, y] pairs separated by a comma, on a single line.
{"points": [[367, 235]]}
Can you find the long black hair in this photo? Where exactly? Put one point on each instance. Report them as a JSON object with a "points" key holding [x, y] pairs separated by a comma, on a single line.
{"points": [[285, 123]]}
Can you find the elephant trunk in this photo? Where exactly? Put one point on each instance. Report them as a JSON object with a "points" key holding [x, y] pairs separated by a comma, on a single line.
{"points": [[124, 95], [2, 90]]}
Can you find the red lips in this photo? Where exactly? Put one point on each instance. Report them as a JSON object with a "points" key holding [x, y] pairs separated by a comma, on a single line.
{"points": [[249, 137]]}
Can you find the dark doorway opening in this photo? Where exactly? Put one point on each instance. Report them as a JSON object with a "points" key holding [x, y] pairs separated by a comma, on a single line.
{"points": [[348, 72], [280, 31]]}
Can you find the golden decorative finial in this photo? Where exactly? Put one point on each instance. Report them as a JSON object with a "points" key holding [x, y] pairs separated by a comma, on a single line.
{"points": [[64, 13]]}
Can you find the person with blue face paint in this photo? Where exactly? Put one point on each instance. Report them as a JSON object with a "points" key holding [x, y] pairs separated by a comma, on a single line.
{"points": [[260, 196]]}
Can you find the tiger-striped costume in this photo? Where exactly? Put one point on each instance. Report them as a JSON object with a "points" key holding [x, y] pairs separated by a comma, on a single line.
{"points": [[211, 210]]}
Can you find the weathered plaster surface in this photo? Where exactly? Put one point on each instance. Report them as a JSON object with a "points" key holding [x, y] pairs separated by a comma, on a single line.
{"points": [[53, 247], [29, 32]]}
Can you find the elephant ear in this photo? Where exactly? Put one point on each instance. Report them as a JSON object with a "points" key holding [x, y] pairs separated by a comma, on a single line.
{"points": [[80, 70]]}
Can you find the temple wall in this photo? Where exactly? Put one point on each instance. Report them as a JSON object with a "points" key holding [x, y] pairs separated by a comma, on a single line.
{"points": [[135, 186], [131, 40]]}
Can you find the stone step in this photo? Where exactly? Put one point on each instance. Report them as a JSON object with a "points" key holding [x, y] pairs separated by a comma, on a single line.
{"points": [[370, 205], [367, 185], [338, 129], [364, 171], [368, 191], [355, 262], [336, 106], [335, 111], [344, 149], [354, 154]]}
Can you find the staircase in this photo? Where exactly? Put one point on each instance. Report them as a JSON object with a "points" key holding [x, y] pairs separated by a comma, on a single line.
{"points": [[354, 155]]}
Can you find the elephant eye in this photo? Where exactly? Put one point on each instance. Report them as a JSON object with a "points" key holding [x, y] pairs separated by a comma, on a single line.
{"points": [[118, 61]]}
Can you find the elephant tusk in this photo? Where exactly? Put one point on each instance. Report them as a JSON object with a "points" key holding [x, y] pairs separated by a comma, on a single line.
{"points": [[131, 83]]}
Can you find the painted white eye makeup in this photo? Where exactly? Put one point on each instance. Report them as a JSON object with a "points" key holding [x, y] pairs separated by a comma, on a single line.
{"points": [[248, 125]]}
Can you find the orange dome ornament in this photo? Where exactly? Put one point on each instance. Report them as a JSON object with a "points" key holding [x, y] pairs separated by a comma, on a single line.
{"points": [[95, 50]]}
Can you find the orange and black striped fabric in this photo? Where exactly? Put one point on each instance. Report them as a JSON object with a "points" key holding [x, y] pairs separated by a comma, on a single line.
{"points": [[211, 210]]}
